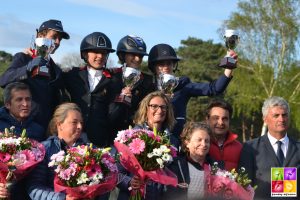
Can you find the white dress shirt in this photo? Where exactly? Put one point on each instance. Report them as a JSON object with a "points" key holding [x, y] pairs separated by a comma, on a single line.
{"points": [[284, 145], [94, 76]]}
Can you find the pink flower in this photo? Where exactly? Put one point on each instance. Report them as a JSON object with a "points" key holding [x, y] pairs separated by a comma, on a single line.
{"points": [[92, 170], [58, 157], [22, 157], [173, 151], [68, 173], [4, 157], [137, 146]]}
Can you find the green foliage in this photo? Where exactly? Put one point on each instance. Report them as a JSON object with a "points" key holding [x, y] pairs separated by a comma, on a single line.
{"points": [[269, 34], [5, 60]]}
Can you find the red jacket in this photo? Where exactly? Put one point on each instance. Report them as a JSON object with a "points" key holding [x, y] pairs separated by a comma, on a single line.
{"points": [[229, 153]]}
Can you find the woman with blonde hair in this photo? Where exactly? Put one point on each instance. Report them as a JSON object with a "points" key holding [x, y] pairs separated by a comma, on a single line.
{"points": [[155, 111], [66, 128]]}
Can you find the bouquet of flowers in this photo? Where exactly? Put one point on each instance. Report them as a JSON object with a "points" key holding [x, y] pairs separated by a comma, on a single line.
{"points": [[84, 171], [230, 185], [18, 155], [145, 153]]}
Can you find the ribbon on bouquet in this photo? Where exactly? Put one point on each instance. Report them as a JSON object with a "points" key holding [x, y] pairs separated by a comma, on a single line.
{"points": [[131, 164]]}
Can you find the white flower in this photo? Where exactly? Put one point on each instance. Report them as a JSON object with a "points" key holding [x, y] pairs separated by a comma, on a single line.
{"points": [[82, 178], [164, 148], [96, 178], [160, 162], [157, 152], [166, 157], [68, 157], [150, 155]]}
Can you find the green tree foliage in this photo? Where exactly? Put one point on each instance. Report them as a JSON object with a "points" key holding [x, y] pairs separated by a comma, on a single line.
{"points": [[269, 34], [5, 60]]}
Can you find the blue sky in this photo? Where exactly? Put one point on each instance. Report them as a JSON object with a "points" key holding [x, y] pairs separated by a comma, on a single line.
{"points": [[156, 21]]}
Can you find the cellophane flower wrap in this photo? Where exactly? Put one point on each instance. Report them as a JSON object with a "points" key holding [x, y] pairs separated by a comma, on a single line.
{"points": [[145, 153], [230, 185], [84, 171], [18, 155]]}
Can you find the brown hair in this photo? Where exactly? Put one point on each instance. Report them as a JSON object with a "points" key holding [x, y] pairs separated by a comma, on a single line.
{"points": [[189, 129], [60, 115], [220, 103], [141, 114]]}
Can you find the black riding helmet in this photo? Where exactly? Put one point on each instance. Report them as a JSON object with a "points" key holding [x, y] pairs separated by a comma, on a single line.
{"points": [[161, 52], [96, 41], [131, 44]]}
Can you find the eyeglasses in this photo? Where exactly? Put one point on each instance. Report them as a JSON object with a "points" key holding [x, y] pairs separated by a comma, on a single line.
{"points": [[155, 107]]}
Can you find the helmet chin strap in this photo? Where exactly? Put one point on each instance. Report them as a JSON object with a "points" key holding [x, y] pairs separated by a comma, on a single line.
{"points": [[175, 67]]}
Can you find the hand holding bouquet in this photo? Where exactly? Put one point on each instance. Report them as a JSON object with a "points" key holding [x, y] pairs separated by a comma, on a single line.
{"points": [[84, 171], [18, 155], [145, 153], [230, 185]]}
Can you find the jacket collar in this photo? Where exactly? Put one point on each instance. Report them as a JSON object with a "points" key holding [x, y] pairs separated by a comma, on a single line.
{"points": [[231, 137], [4, 115]]}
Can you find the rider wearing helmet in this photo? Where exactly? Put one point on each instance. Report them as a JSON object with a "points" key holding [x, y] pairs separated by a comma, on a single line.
{"points": [[131, 50], [164, 60], [45, 87], [93, 89]]}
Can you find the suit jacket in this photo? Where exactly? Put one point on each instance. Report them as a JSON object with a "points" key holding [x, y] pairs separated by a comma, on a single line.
{"points": [[258, 157], [99, 111]]}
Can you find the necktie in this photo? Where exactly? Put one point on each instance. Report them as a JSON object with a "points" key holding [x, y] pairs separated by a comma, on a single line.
{"points": [[280, 154]]}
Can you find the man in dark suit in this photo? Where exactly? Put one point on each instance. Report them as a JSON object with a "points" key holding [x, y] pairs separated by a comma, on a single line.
{"points": [[274, 149], [94, 90]]}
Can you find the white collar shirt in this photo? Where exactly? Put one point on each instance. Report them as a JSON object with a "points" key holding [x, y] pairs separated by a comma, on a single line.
{"points": [[94, 76], [284, 145]]}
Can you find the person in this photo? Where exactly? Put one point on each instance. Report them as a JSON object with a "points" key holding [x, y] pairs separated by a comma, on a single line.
{"points": [[47, 91], [224, 147], [16, 112], [192, 163], [155, 111], [259, 155], [130, 50], [94, 90], [66, 128], [163, 60]]}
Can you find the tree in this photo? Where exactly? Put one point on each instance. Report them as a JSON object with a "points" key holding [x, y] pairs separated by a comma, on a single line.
{"points": [[74, 60], [71, 60], [5, 60], [269, 34]]}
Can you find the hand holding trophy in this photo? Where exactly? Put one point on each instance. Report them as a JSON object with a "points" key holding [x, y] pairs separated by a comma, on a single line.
{"points": [[43, 48], [130, 77], [167, 84], [231, 39]]}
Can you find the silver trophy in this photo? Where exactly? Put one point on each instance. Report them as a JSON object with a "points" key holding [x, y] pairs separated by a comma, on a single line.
{"points": [[167, 83], [43, 47], [130, 77], [231, 39]]}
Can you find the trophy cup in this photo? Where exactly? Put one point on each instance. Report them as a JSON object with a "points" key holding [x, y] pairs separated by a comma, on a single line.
{"points": [[231, 39], [43, 48], [130, 77], [168, 83]]}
